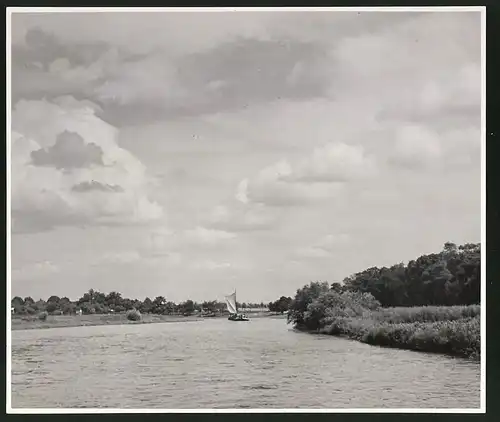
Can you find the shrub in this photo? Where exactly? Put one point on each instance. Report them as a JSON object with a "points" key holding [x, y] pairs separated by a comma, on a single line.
{"points": [[42, 316], [134, 315]]}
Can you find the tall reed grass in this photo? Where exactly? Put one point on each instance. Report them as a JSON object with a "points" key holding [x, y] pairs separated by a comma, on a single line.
{"points": [[451, 330]]}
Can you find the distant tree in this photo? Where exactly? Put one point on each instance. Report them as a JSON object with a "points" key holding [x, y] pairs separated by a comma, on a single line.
{"points": [[17, 301], [113, 300], [28, 301], [209, 306], [99, 298], [51, 307], [281, 305], [146, 306], [169, 308], [40, 305], [187, 307], [159, 305]]}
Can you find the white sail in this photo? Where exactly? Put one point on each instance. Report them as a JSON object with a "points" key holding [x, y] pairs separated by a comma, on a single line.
{"points": [[231, 303]]}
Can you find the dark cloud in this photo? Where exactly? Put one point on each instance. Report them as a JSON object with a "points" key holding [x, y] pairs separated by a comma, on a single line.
{"points": [[230, 76], [96, 186], [69, 151], [31, 76], [233, 76]]}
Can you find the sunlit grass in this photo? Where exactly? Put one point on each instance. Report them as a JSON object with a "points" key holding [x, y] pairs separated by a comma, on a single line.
{"points": [[452, 330]]}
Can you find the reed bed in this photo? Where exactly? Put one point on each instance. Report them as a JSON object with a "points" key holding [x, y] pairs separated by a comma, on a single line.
{"points": [[450, 330]]}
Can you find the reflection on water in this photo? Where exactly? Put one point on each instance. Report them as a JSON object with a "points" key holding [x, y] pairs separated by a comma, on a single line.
{"points": [[219, 364]]}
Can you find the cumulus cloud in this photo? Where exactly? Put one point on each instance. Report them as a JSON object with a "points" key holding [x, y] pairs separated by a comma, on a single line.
{"points": [[415, 146], [211, 265], [69, 151], [37, 269], [120, 257], [239, 217], [320, 175], [324, 246], [66, 166], [208, 236], [335, 162]]}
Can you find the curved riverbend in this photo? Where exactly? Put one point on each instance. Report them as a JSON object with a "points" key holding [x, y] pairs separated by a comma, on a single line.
{"points": [[218, 364]]}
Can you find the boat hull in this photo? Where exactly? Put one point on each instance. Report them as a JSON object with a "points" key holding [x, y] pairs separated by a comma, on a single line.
{"points": [[238, 318]]}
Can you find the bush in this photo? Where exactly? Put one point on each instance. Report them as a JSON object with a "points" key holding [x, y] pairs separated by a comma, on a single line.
{"points": [[331, 305], [134, 315], [42, 316]]}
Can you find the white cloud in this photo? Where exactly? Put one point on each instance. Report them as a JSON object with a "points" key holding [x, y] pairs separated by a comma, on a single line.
{"points": [[320, 175], [211, 265], [324, 246], [208, 236], [120, 257], [335, 162], [242, 217], [43, 196], [37, 269], [416, 146]]}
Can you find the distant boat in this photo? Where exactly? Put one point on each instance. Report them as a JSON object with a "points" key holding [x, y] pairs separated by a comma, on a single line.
{"points": [[233, 309]]}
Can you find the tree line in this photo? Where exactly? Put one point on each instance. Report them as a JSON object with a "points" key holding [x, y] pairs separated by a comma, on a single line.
{"points": [[95, 302], [448, 278]]}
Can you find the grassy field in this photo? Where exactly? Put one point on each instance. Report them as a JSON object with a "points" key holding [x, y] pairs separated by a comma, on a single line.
{"points": [[453, 330], [53, 321]]}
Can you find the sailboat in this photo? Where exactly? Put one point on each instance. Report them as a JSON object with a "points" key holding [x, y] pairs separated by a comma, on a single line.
{"points": [[233, 309]]}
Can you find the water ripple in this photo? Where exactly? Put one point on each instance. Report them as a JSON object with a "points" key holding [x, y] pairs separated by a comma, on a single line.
{"points": [[217, 364]]}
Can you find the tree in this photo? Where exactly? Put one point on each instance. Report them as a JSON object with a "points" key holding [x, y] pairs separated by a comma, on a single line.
{"points": [[281, 305], [451, 277], [159, 305], [28, 301], [51, 307], [17, 301], [40, 305], [113, 299], [303, 298], [187, 308], [147, 306]]}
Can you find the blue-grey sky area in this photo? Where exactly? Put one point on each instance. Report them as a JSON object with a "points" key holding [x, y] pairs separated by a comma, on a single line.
{"points": [[189, 154]]}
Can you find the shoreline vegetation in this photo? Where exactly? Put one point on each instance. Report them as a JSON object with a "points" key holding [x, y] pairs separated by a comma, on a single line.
{"points": [[59, 321], [432, 304]]}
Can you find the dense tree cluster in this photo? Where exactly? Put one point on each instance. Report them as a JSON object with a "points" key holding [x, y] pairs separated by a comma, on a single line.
{"points": [[95, 302], [281, 305], [451, 277]]}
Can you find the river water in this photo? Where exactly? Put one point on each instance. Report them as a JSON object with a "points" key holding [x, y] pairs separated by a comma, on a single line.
{"points": [[218, 364]]}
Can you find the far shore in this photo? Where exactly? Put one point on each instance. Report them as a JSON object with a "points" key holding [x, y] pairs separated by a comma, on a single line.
{"points": [[55, 321]]}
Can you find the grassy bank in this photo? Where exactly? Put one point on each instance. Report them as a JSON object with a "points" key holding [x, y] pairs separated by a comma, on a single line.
{"points": [[453, 330], [449, 330], [53, 321]]}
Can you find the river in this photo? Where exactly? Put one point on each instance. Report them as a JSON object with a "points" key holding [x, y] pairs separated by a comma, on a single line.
{"points": [[217, 364]]}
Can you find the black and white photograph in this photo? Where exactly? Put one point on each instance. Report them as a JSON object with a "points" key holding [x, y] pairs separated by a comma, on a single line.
{"points": [[245, 210]]}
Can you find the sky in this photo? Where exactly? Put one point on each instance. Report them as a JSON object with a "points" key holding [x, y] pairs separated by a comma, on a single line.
{"points": [[189, 154]]}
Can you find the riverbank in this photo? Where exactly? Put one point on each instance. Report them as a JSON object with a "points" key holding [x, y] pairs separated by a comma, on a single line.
{"points": [[54, 321], [453, 330]]}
